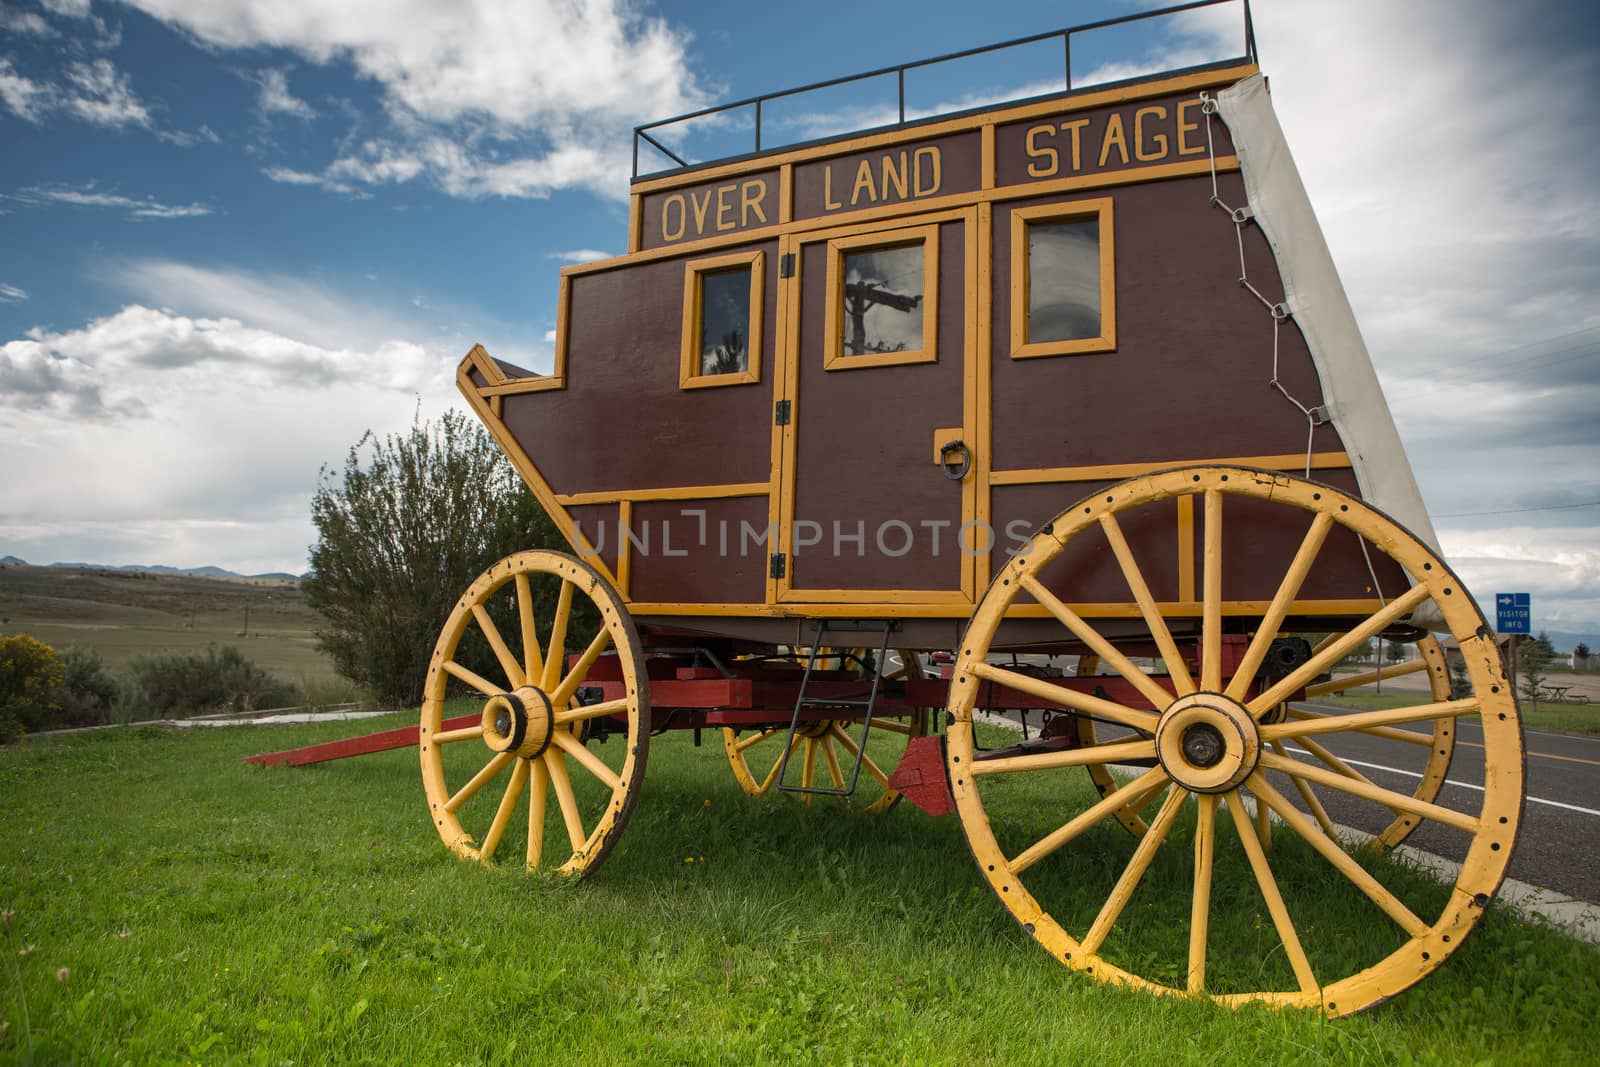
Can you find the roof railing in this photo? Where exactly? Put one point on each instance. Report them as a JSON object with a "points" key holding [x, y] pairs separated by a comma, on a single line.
{"points": [[654, 134]]}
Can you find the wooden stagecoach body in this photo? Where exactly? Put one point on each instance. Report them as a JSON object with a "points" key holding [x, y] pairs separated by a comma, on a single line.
{"points": [[697, 495], [1074, 377]]}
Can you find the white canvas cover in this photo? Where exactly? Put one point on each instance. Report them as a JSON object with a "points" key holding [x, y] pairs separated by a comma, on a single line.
{"points": [[1317, 303]]}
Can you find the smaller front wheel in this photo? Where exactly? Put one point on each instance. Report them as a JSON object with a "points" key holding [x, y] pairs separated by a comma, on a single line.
{"points": [[576, 728]]}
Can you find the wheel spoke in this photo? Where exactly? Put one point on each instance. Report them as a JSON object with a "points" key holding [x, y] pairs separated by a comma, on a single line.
{"points": [[1070, 698], [1365, 720], [894, 726], [569, 803], [1263, 817], [1118, 752], [478, 682], [1134, 871], [831, 758], [1389, 733], [1205, 843], [1336, 651], [1352, 681], [508, 662], [556, 657], [479, 780], [755, 739], [508, 805], [586, 759], [532, 661], [1288, 589], [592, 711], [466, 733], [1309, 795], [866, 761], [1133, 796], [1153, 690], [580, 670], [538, 782], [772, 775], [1211, 597], [1335, 855], [1269, 892], [1366, 790], [1176, 667]]}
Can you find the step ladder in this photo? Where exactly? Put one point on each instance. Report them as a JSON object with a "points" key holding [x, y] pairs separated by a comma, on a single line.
{"points": [[820, 627]]}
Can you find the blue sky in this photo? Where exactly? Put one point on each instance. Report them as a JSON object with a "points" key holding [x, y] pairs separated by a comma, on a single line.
{"points": [[235, 234]]}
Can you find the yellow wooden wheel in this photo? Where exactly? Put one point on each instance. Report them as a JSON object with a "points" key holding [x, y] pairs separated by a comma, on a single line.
{"points": [[537, 718], [1350, 931], [829, 748]]}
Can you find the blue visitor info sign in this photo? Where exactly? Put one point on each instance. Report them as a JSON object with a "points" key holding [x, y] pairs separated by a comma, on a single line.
{"points": [[1512, 612]]}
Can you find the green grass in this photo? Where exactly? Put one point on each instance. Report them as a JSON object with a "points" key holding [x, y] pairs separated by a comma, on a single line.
{"points": [[122, 614], [211, 911], [1569, 718]]}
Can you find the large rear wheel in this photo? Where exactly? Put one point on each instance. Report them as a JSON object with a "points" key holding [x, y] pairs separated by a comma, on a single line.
{"points": [[1218, 753]]}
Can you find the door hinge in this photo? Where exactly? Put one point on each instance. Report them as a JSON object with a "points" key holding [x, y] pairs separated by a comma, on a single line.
{"points": [[779, 564], [780, 414], [786, 265]]}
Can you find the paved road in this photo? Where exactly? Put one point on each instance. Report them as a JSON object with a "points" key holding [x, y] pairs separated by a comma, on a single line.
{"points": [[1558, 846]]}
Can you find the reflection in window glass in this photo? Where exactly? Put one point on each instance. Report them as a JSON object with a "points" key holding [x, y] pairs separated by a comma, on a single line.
{"points": [[1063, 280], [882, 297], [725, 321]]}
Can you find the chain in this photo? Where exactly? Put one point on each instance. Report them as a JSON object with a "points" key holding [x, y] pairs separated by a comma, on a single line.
{"points": [[1280, 312]]}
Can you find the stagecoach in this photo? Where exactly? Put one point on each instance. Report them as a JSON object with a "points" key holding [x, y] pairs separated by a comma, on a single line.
{"points": [[1033, 442]]}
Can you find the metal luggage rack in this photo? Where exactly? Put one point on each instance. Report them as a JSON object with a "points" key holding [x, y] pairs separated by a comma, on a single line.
{"points": [[648, 134]]}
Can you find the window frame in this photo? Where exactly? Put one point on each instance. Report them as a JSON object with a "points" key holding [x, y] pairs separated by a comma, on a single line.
{"points": [[1099, 209], [689, 376], [927, 236]]}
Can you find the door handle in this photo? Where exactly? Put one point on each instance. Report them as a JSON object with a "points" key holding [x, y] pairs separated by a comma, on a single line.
{"points": [[955, 460]]}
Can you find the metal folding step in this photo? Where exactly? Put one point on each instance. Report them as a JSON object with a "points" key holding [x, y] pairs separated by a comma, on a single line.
{"points": [[819, 628]]}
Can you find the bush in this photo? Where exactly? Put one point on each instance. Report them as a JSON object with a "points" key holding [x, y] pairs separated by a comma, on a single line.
{"points": [[411, 522], [89, 693], [218, 679], [30, 681]]}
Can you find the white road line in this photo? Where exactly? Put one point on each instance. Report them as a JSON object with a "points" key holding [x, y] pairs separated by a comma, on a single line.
{"points": [[1449, 781]]}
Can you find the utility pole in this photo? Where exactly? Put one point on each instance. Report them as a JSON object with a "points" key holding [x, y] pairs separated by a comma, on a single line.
{"points": [[858, 298]]}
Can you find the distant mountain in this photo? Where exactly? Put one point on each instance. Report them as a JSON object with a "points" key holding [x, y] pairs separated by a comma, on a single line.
{"points": [[12, 561], [160, 568]]}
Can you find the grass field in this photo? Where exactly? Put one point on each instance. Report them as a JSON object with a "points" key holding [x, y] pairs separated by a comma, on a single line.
{"points": [[122, 614], [175, 904]]}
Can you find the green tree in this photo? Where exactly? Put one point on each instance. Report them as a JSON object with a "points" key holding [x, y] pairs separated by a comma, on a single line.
{"points": [[30, 684], [1543, 641], [1580, 656], [403, 529], [1533, 667]]}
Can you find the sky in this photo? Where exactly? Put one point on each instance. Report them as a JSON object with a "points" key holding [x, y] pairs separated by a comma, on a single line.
{"points": [[237, 234]]}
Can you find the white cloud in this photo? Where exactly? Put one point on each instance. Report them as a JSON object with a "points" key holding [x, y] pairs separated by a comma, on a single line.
{"points": [[27, 23], [154, 436], [276, 99], [138, 208], [23, 97], [580, 255], [487, 97], [10, 294], [70, 8], [95, 92], [104, 95]]}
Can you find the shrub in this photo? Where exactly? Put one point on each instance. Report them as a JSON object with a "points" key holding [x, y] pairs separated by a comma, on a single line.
{"points": [[30, 680], [88, 692], [216, 679]]}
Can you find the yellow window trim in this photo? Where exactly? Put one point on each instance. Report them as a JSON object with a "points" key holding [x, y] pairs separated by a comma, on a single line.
{"points": [[689, 376], [833, 328], [1098, 209]]}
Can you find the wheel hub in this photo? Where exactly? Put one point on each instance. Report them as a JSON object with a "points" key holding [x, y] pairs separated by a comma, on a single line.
{"points": [[1208, 743], [519, 722]]}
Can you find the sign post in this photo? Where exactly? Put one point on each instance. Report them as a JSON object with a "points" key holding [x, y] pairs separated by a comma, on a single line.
{"points": [[1512, 614]]}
